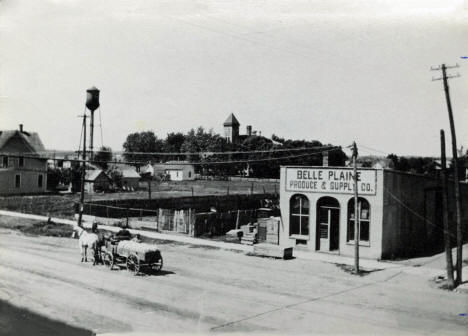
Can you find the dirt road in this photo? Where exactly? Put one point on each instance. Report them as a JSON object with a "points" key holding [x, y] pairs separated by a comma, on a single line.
{"points": [[211, 290]]}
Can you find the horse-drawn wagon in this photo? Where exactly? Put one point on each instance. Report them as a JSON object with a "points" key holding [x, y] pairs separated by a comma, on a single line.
{"points": [[133, 255]]}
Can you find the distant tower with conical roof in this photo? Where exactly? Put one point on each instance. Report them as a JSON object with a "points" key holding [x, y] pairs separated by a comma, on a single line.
{"points": [[231, 129]]}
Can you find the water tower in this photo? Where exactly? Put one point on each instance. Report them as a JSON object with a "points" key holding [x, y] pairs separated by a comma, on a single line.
{"points": [[92, 103]]}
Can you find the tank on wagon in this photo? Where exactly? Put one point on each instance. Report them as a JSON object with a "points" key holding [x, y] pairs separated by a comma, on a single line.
{"points": [[137, 257]]}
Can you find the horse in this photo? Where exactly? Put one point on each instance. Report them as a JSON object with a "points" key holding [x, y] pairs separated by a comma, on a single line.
{"points": [[85, 240]]}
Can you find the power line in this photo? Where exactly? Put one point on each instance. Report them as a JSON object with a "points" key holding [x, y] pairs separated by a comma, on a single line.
{"points": [[414, 212], [179, 163], [273, 150], [373, 149]]}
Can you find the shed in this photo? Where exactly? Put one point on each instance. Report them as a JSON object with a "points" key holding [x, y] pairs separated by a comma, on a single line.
{"points": [[130, 178], [97, 181]]}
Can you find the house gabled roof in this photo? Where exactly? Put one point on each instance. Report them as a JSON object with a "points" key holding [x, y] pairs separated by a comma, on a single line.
{"points": [[126, 170], [130, 173], [231, 121], [31, 140], [92, 175]]}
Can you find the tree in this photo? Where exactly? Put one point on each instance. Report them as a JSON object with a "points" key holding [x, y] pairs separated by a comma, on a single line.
{"points": [[142, 142], [196, 142], [276, 138], [53, 178], [394, 159], [260, 168], [337, 157], [172, 144], [220, 144], [116, 177], [75, 176], [102, 157], [417, 165]]}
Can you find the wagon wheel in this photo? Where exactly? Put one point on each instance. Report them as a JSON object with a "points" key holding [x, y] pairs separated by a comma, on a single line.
{"points": [[108, 260], [156, 267], [133, 264]]}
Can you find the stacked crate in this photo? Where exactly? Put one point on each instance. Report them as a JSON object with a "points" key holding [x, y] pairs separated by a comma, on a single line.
{"points": [[268, 229]]}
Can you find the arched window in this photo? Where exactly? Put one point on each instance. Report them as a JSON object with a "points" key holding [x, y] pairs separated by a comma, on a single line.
{"points": [[364, 219], [299, 215]]}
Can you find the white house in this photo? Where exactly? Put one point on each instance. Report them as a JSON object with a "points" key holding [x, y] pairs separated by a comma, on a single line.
{"points": [[176, 170]]}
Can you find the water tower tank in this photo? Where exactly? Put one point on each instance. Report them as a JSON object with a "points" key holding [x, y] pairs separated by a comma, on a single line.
{"points": [[92, 98]]}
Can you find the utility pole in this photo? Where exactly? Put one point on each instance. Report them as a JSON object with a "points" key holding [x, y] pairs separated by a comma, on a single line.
{"points": [[445, 78], [356, 209], [448, 246], [83, 173]]}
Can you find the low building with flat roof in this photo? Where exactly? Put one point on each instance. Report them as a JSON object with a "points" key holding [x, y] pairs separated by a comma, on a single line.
{"points": [[175, 170], [400, 214]]}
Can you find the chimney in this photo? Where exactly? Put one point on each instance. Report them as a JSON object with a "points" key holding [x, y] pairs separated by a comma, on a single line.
{"points": [[249, 130], [21, 127], [325, 159]]}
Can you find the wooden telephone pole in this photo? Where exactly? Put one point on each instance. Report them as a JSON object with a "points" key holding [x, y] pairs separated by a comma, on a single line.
{"points": [[445, 78], [83, 173], [356, 211], [448, 245]]}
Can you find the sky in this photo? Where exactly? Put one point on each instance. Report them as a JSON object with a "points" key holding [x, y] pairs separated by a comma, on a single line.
{"points": [[333, 71]]}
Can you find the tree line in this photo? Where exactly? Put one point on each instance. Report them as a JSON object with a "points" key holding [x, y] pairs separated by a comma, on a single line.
{"points": [[206, 143], [200, 146]]}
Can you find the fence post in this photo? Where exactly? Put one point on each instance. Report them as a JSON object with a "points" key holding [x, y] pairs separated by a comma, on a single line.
{"points": [[189, 222], [159, 219], [228, 190], [192, 191], [127, 215], [237, 219], [277, 230]]}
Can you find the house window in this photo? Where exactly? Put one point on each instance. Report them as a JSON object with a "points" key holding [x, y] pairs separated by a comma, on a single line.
{"points": [[189, 174], [21, 162], [299, 215], [40, 180], [364, 219], [17, 181], [5, 162]]}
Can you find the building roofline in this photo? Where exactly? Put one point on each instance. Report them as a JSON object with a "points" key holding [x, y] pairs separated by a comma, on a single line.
{"points": [[231, 121]]}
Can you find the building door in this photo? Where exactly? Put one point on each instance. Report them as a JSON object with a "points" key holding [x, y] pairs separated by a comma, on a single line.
{"points": [[328, 224]]}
